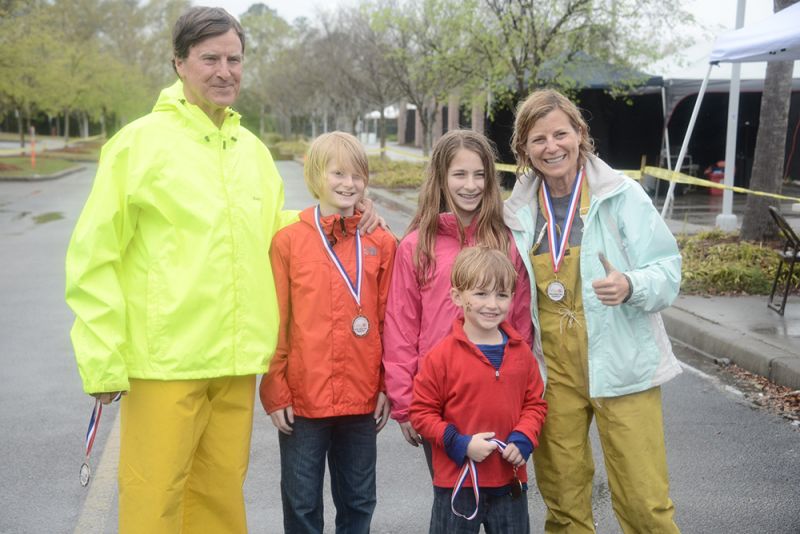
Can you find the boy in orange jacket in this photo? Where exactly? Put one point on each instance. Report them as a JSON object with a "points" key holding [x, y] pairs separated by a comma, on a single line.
{"points": [[324, 390], [478, 386]]}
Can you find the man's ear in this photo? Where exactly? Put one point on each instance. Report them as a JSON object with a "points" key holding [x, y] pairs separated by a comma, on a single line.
{"points": [[455, 296]]}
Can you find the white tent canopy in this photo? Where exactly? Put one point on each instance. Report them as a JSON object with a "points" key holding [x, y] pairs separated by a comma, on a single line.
{"points": [[776, 38]]}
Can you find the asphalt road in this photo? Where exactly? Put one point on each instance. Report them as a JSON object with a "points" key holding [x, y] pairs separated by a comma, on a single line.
{"points": [[734, 468]]}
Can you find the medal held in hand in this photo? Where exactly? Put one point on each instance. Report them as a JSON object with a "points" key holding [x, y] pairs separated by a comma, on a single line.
{"points": [[558, 246], [360, 325], [91, 433]]}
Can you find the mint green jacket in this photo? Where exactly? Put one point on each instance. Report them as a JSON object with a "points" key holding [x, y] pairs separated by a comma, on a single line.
{"points": [[629, 350], [168, 270]]}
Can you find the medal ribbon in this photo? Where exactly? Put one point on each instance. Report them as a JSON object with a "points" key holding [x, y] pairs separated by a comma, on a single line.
{"points": [[355, 289], [472, 470], [558, 247], [94, 424]]}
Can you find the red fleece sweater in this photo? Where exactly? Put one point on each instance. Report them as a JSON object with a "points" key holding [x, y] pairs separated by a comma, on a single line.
{"points": [[457, 385]]}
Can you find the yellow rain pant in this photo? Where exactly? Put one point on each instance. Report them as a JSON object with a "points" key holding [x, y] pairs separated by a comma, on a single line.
{"points": [[184, 451], [630, 427]]}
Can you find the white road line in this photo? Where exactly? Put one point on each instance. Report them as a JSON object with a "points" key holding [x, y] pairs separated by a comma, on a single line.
{"points": [[102, 488]]}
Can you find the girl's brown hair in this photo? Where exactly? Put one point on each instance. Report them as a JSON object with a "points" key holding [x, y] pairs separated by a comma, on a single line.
{"points": [[435, 198], [537, 105]]}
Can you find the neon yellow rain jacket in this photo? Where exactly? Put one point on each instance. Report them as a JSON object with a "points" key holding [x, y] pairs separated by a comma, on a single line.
{"points": [[168, 270]]}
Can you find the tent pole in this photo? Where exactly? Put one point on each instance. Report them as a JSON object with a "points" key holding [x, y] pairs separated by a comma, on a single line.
{"points": [[726, 220], [665, 136], [666, 208]]}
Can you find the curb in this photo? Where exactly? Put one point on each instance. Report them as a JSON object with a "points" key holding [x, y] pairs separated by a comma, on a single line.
{"points": [[391, 201], [724, 344], [42, 178]]}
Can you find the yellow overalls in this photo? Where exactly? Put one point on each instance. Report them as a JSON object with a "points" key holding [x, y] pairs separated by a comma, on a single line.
{"points": [[630, 427]]}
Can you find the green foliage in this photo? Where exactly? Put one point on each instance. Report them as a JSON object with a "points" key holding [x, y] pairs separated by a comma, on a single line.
{"points": [[718, 263], [292, 149], [271, 139], [395, 174], [21, 166]]}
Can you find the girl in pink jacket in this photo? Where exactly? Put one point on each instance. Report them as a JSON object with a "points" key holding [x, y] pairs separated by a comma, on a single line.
{"points": [[459, 206]]}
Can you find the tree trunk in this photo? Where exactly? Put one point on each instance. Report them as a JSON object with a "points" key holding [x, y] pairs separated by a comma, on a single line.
{"points": [[770, 150], [428, 118], [66, 128], [20, 128], [84, 125], [382, 131], [261, 112]]}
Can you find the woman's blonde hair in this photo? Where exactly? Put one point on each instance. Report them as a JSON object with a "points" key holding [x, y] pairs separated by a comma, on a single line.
{"points": [[537, 105], [435, 198], [483, 268], [340, 147]]}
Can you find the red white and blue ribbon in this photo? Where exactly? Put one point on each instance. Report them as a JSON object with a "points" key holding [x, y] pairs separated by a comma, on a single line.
{"points": [[558, 247], [94, 423], [355, 289], [472, 470]]}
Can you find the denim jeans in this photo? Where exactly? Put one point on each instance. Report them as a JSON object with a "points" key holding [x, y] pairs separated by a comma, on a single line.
{"points": [[499, 514], [349, 442]]}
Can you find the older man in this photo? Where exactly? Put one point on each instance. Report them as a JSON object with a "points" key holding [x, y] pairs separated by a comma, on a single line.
{"points": [[169, 279]]}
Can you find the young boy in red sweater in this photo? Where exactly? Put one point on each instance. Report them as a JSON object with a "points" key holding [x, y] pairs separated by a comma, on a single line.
{"points": [[478, 400], [324, 389]]}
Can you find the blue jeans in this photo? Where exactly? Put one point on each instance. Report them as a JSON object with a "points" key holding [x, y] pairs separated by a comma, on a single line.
{"points": [[499, 514], [350, 444]]}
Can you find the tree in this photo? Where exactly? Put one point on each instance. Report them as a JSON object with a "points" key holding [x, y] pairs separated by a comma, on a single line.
{"points": [[266, 35], [429, 52], [530, 43], [770, 150], [367, 73]]}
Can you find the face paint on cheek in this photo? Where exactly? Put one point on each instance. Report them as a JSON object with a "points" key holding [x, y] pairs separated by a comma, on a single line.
{"points": [[468, 307]]}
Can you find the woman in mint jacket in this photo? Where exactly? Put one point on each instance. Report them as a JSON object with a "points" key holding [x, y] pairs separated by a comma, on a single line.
{"points": [[602, 265]]}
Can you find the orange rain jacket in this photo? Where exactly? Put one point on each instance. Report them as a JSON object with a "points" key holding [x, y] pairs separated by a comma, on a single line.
{"points": [[320, 367]]}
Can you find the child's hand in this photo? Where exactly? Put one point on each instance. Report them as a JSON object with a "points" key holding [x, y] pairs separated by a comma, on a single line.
{"points": [[381, 413], [479, 448], [410, 435], [513, 456], [283, 419]]}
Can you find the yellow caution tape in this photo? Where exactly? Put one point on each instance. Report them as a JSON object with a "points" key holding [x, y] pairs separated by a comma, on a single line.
{"points": [[655, 172], [681, 178]]}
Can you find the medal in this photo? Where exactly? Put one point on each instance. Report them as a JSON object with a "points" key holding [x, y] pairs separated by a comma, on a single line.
{"points": [[471, 470], [91, 433], [516, 487], [556, 291], [360, 326], [86, 474]]}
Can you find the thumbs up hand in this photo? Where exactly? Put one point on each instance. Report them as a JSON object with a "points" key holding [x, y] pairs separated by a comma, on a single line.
{"points": [[615, 288]]}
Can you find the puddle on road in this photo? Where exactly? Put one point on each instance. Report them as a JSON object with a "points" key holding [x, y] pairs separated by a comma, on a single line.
{"points": [[48, 217]]}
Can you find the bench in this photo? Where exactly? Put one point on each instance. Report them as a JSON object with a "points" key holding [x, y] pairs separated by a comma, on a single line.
{"points": [[788, 257]]}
